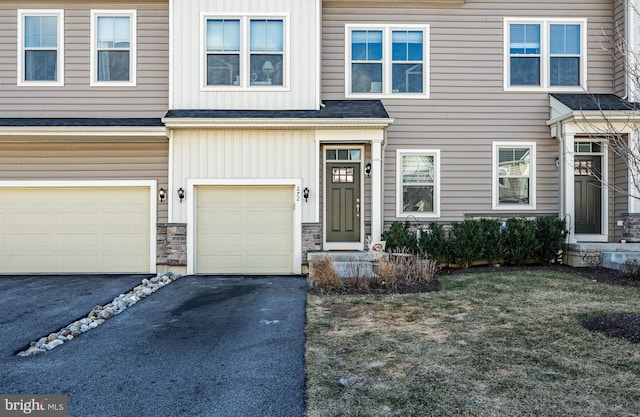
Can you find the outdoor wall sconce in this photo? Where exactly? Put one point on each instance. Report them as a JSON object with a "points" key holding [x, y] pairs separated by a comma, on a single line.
{"points": [[162, 194], [305, 194], [557, 162], [367, 169], [181, 194]]}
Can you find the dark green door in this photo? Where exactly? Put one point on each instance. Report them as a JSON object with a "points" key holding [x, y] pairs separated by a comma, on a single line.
{"points": [[343, 202], [588, 194]]}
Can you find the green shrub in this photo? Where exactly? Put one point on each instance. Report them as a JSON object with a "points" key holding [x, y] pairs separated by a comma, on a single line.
{"points": [[519, 241], [550, 233], [491, 240], [399, 236], [465, 242], [433, 242]]}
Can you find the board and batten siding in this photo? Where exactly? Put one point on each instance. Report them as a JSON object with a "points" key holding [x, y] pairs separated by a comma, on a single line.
{"points": [[76, 98], [301, 56], [86, 161], [468, 108], [245, 155]]}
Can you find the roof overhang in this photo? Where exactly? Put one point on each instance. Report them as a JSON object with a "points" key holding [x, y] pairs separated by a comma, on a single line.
{"points": [[89, 132], [569, 118], [276, 123]]}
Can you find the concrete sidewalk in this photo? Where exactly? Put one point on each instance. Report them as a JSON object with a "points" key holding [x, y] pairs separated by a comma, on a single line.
{"points": [[202, 346]]}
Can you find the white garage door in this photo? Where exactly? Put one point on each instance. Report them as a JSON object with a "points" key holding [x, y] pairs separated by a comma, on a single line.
{"points": [[91, 230], [244, 229]]}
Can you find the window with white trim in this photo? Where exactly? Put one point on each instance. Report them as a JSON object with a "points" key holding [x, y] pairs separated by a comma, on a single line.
{"points": [[545, 54], [113, 47], [40, 47], [244, 51], [514, 177], [418, 183], [387, 60]]}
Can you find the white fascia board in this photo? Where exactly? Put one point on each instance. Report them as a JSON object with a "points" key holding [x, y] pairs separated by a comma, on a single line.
{"points": [[250, 123], [155, 131]]}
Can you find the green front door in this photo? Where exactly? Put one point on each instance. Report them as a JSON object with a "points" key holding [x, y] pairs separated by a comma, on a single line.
{"points": [[588, 194], [343, 202]]}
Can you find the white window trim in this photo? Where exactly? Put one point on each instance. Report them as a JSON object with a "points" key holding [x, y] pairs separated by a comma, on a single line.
{"points": [[545, 82], [245, 52], [59, 13], [133, 55], [387, 61], [436, 182], [532, 177]]}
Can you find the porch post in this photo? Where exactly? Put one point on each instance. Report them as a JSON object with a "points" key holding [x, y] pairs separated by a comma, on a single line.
{"points": [[376, 189], [567, 173], [634, 144]]}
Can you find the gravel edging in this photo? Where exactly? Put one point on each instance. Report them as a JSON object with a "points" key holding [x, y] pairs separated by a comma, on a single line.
{"points": [[98, 315]]}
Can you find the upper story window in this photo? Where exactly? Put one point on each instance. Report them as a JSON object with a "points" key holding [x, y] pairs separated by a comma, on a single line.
{"points": [[245, 52], [418, 186], [388, 60], [545, 54], [514, 178], [113, 47], [40, 47]]}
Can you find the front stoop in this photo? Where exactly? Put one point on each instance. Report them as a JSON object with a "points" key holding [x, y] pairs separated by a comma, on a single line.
{"points": [[610, 255], [351, 264]]}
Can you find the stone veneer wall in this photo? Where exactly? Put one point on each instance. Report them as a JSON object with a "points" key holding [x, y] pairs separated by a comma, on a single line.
{"points": [[631, 231], [171, 244], [311, 239]]}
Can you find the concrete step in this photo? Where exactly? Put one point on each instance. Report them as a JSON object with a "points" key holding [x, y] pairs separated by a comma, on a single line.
{"points": [[351, 264], [618, 260]]}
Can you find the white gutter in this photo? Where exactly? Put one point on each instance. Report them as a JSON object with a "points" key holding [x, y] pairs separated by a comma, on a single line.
{"points": [[252, 123]]}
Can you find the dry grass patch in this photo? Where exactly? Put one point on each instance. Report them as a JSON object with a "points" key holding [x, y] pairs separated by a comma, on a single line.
{"points": [[503, 344]]}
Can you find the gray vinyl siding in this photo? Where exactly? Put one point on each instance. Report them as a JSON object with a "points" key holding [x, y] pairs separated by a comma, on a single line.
{"points": [[86, 161], [468, 108], [149, 98], [619, 34]]}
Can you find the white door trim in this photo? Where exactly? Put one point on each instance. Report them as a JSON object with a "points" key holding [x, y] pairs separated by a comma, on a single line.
{"points": [[295, 183], [359, 245]]}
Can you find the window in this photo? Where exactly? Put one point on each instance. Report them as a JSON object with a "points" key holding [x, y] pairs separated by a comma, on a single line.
{"points": [[387, 60], [230, 63], [545, 54], [418, 187], [113, 47], [514, 175], [40, 47]]}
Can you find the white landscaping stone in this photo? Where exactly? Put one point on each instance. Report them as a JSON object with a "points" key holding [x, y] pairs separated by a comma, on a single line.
{"points": [[99, 314]]}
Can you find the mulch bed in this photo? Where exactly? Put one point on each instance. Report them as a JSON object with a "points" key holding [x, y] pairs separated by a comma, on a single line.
{"points": [[625, 326]]}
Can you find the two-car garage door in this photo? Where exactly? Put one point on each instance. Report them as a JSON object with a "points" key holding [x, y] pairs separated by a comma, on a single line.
{"points": [[244, 229], [75, 229]]}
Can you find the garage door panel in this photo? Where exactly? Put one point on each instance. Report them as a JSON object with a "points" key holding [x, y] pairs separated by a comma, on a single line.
{"points": [[244, 229], [76, 229]]}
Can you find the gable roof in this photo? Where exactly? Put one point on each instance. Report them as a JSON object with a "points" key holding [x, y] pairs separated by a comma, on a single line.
{"points": [[332, 109], [595, 102]]}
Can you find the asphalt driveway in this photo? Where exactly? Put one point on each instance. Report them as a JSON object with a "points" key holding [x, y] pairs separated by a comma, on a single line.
{"points": [[202, 346]]}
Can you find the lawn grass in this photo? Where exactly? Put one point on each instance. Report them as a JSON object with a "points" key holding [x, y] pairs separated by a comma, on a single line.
{"points": [[499, 344]]}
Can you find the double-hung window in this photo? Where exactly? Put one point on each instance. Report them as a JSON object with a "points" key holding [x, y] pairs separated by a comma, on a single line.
{"points": [[388, 60], [113, 47], [418, 183], [244, 52], [545, 54], [40, 47], [514, 179]]}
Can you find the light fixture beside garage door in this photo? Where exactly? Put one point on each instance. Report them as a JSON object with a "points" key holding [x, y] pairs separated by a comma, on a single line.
{"points": [[162, 195], [181, 194]]}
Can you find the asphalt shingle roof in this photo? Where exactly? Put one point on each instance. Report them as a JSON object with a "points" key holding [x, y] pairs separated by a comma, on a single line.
{"points": [[588, 102], [333, 109], [79, 122]]}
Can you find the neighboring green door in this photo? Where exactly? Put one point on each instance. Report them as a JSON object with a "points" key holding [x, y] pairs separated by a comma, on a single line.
{"points": [[343, 202], [588, 194]]}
